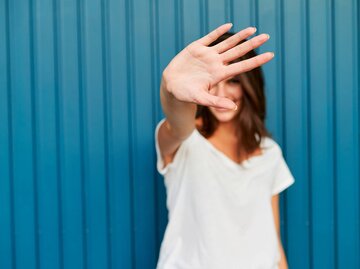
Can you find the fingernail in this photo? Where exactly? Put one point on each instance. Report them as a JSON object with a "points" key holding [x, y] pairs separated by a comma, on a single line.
{"points": [[268, 36], [273, 54], [254, 29], [236, 107]]}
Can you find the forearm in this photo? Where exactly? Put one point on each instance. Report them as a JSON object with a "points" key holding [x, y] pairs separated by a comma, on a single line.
{"points": [[180, 115]]}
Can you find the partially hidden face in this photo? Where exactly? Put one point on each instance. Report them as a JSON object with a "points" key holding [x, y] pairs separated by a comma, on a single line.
{"points": [[231, 89]]}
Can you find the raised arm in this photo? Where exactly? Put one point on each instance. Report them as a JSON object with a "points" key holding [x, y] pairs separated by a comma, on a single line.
{"points": [[190, 75]]}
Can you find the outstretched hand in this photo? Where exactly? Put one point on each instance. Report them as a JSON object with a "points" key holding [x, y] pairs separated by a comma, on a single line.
{"points": [[197, 68]]}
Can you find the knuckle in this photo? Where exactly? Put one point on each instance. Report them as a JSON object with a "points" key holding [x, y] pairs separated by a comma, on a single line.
{"points": [[252, 43], [211, 36], [214, 101], [197, 100], [227, 72], [257, 61], [239, 49]]}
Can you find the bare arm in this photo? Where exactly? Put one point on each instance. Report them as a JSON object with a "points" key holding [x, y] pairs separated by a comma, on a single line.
{"points": [[187, 79], [275, 207], [180, 122]]}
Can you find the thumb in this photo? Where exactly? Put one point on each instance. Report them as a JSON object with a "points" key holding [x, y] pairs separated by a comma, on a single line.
{"points": [[208, 99]]}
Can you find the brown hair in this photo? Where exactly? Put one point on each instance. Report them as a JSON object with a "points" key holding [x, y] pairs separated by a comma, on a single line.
{"points": [[250, 119]]}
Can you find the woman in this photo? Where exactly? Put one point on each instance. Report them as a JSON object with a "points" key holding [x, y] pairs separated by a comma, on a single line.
{"points": [[222, 180]]}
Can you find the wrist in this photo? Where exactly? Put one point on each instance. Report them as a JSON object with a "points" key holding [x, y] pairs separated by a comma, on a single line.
{"points": [[165, 87]]}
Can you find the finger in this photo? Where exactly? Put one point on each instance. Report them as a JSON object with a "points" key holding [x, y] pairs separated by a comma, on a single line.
{"points": [[215, 34], [207, 99], [247, 65], [234, 40], [244, 48]]}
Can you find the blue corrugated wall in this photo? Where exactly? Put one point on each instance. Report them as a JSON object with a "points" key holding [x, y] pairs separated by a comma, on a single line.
{"points": [[79, 102]]}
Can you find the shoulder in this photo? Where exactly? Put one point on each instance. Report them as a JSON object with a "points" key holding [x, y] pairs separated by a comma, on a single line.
{"points": [[269, 142], [270, 146], [167, 162]]}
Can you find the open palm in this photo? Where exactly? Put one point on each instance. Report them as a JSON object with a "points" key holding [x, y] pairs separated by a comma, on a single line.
{"points": [[198, 67]]}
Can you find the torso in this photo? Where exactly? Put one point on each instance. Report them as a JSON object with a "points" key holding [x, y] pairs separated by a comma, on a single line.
{"points": [[220, 214]]}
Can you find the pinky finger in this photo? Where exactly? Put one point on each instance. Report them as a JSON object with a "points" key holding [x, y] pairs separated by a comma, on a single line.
{"points": [[247, 65]]}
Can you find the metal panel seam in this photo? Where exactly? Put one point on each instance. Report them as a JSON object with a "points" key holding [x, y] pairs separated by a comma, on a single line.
{"points": [[356, 101], [33, 88], [107, 116], [308, 129], [282, 98], [154, 75], [130, 86], [80, 15], [57, 55], [10, 136], [335, 159]]}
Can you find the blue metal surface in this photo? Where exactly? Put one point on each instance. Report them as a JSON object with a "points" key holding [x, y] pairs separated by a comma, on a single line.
{"points": [[79, 102]]}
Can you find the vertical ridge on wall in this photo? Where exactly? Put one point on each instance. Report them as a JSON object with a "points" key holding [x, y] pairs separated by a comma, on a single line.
{"points": [[165, 29], [82, 109], [308, 129], [242, 14], [154, 26], [44, 134], [216, 14], [95, 159], [356, 133], [254, 15], [336, 150], [193, 21], [34, 129], [268, 14], [358, 102], [204, 20], [70, 135], [130, 85], [7, 259], [282, 95], [56, 57], [107, 118], [10, 140], [178, 6], [228, 11], [280, 126], [334, 130]]}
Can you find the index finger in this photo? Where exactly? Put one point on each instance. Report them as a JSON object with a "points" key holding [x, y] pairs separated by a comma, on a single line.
{"points": [[247, 65], [215, 34]]}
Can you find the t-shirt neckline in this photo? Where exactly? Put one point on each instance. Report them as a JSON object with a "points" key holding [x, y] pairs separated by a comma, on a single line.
{"points": [[244, 164]]}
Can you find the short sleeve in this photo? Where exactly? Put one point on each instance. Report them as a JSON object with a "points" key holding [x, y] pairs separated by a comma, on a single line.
{"points": [[178, 158], [282, 176]]}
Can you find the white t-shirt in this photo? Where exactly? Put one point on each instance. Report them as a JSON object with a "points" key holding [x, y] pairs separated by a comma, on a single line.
{"points": [[220, 214]]}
